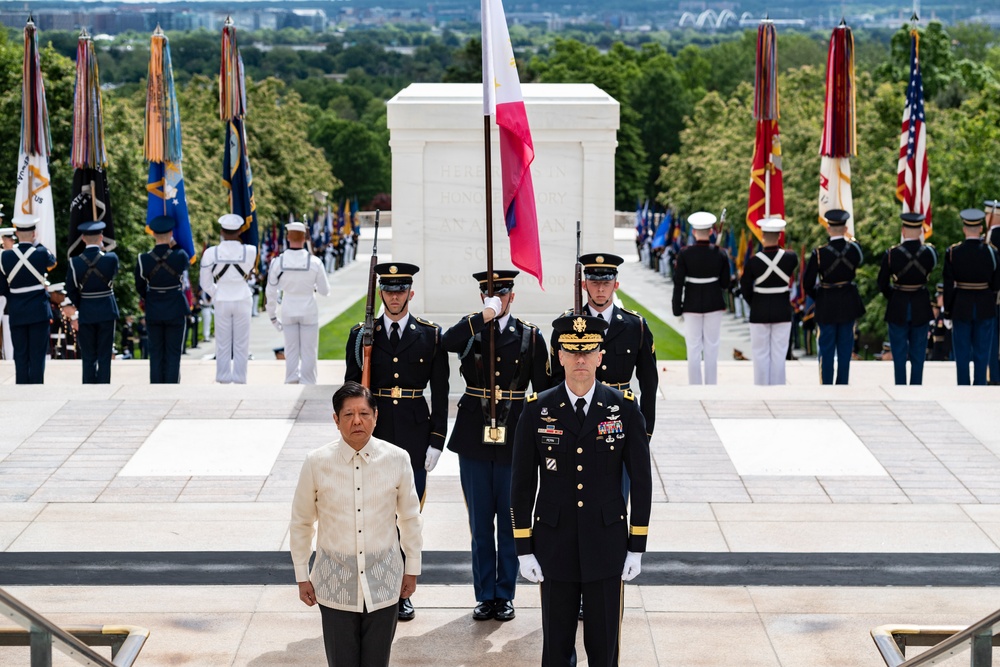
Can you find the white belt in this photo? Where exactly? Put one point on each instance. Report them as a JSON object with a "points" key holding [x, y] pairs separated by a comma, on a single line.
{"points": [[771, 290], [96, 295], [22, 290], [700, 281]]}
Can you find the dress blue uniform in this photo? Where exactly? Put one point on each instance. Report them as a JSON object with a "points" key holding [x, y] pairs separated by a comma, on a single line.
{"points": [[567, 507], [971, 280], [158, 280], [521, 358], [902, 279], [90, 285], [829, 280], [24, 268]]}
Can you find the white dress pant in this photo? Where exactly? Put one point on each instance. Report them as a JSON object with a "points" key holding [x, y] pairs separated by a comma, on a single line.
{"points": [[301, 348], [770, 345], [8, 343], [206, 322], [232, 340], [701, 334]]}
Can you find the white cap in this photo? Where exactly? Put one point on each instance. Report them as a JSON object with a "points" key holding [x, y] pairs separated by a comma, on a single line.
{"points": [[25, 224], [231, 222], [772, 225], [296, 227], [6, 231], [701, 220], [55, 287]]}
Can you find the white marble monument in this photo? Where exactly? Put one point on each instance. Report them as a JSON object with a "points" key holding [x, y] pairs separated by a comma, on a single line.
{"points": [[438, 192]]}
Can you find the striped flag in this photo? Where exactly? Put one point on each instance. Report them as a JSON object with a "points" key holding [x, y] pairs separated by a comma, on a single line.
{"points": [[839, 142], [502, 97], [913, 187], [767, 197]]}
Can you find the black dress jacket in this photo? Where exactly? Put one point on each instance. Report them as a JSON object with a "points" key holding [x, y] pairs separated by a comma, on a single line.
{"points": [[829, 280], [700, 277], [769, 301], [902, 279], [971, 280]]}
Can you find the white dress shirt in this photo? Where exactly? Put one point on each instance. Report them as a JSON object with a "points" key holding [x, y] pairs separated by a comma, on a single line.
{"points": [[387, 323], [298, 275], [589, 397], [231, 285], [358, 499]]}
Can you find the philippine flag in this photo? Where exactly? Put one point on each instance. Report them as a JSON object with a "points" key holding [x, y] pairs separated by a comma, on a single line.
{"points": [[502, 97]]}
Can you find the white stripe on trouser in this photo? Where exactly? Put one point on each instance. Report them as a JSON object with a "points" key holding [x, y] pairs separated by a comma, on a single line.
{"points": [[8, 344], [232, 340], [770, 345], [301, 349], [701, 334]]}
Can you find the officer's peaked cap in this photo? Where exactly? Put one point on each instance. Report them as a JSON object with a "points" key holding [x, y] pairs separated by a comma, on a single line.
{"points": [[579, 333]]}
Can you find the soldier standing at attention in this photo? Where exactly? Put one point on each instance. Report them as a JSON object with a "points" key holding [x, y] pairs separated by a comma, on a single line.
{"points": [[902, 279], [829, 280], [971, 280], [484, 463], [571, 527], [993, 238], [158, 281], [406, 357], [298, 275], [225, 269], [24, 268], [7, 241], [765, 284], [701, 277], [90, 285]]}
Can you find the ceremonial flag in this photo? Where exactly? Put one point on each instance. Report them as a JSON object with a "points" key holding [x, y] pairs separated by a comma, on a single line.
{"points": [[767, 199], [660, 237], [33, 200], [236, 172], [502, 98], [839, 142], [913, 187], [91, 196], [162, 147]]}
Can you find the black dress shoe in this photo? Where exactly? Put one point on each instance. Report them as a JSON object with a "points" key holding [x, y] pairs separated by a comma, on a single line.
{"points": [[406, 611], [483, 611], [504, 610]]}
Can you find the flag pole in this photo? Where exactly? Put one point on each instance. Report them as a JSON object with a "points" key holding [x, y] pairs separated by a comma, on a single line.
{"points": [[494, 433]]}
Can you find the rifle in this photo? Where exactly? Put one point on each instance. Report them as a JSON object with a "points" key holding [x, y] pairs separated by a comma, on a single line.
{"points": [[722, 225], [368, 329], [578, 277]]}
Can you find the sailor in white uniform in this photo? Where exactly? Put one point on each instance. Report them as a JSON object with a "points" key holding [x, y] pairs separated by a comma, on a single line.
{"points": [[9, 241], [297, 275]]}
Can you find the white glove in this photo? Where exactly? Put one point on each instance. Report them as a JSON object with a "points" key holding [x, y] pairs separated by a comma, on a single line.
{"points": [[432, 458], [530, 569], [494, 304], [277, 324], [633, 566]]}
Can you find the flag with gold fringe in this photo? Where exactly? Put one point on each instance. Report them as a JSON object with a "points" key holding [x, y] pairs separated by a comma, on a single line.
{"points": [[839, 141], [162, 147], [913, 186], [236, 172], [767, 199]]}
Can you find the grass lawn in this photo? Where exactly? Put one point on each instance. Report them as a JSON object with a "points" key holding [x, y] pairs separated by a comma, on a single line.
{"points": [[333, 336], [669, 343]]}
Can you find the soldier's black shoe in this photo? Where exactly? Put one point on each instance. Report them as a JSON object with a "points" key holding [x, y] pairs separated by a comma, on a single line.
{"points": [[406, 610], [484, 611], [504, 610], [581, 611]]}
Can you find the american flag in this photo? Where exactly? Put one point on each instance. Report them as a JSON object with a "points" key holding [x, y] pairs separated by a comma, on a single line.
{"points": [[913, 186]]}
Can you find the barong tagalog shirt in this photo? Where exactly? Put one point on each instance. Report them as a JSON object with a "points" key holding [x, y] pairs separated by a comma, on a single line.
{"points": [[357, 499]]}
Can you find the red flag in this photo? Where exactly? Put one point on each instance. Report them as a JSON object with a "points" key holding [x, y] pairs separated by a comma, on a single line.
{"points": [[913, 186], [502, 96], [767, 198]]}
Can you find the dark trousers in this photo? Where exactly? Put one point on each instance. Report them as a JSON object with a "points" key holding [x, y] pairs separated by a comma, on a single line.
{"points": [[164, 349], [970, 341], [602, 614], [486, 487], [835, 340], [907, 341], [995, 350], [358, 639], [31, 344], [420, 482], [95, 341]]}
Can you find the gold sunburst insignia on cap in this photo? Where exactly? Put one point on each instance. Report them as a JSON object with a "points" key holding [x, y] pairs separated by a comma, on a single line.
{"points": [[600, 259], [393, 269], [579, 325]]}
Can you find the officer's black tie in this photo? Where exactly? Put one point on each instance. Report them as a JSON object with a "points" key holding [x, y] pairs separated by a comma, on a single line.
{"points": [[394, 335], [581, 403]]}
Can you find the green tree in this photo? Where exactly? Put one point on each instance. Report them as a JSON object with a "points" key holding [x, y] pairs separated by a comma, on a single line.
{"points": [[357, 153]]}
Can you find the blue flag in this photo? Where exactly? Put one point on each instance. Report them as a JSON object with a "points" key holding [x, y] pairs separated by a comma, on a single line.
{"points": [[660, 238], [238, 178], [166, 197]]}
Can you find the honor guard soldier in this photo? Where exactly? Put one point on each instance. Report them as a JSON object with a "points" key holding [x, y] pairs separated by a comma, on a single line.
{"points": [[902, 279], [159, 283], [829, 280], [406, 357], [971, 280], [298, 275], [628, 344], [7, 241], [993, 238], [571, 527], [24, 268], [484, 457], [701, 277], [765, 284], [225, 269], [90, 285]]}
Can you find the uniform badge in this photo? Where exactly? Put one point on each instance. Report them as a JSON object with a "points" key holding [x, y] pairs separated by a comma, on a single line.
{"points": [[549, 420], [610, 440], [550, 430], [550, 440], [550, 464], [614, 417], [545, 411], [610, 428], [613, 408]]}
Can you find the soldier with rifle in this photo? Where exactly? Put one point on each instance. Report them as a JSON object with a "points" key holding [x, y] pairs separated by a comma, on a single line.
{"points": [[397, 356]]}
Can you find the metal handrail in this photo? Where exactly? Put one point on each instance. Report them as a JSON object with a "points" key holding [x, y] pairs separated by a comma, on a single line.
{"points": [[945, 642], [126, 641]]}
